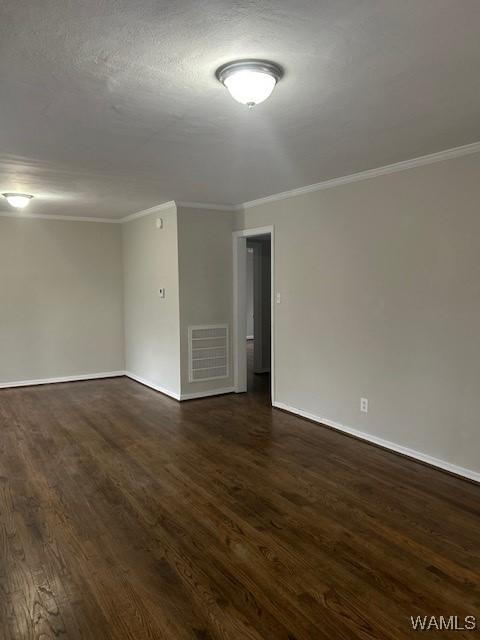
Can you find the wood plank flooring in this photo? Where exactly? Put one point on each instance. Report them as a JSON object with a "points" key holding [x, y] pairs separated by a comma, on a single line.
{"points": [[125, 515]]}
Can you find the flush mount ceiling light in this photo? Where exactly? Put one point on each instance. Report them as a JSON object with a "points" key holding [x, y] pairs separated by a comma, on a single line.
{"points": [[249, 81], [18, 200]]}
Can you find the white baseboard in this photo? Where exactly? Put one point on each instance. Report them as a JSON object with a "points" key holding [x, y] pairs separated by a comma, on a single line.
{"points": [[386, 444], [156, 387], [176, 396], [206, 394], [116, 374], [86, 376]]}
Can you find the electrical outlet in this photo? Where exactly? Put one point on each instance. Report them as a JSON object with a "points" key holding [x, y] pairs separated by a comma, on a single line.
{"points": [[364, 405], [279, 298], [161, 293]]}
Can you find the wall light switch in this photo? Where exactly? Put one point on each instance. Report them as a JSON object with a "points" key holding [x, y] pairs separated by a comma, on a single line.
{"points": [[278, 298], [159, 223], [161, 293]]}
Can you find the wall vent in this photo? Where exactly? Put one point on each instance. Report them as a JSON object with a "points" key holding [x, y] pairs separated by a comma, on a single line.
{"points": [[207, 352]]}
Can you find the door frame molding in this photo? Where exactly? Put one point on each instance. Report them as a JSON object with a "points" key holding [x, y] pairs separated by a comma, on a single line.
{"points": [[239, 239]]}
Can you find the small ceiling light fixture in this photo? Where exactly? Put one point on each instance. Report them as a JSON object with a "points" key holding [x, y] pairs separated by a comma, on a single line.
{"points": [[18, 200], [249, 81]]}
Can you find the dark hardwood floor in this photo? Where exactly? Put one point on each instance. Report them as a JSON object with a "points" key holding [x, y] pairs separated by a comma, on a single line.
{"points": [[124, 514], [257, 383]]}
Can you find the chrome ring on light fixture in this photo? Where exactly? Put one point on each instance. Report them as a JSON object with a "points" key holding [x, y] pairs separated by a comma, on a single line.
{"points": [[18, 200], [249, 81]]}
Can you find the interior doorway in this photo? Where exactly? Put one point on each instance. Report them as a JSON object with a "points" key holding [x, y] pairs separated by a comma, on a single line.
{"points": [[253, 353], [258, 311]]}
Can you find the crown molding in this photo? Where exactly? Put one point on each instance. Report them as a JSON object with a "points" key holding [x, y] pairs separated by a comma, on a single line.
{"points": [[448, 154], [212, 207], [42, 216], [147, 212]]}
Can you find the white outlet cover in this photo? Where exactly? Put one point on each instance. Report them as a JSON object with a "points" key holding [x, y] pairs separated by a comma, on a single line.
{"points": [[364, 405]]}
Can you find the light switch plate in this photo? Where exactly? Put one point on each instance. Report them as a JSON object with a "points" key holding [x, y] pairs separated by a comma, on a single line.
{"points": [[161, 292]]}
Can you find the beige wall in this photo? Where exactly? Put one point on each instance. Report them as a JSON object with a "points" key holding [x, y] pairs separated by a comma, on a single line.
{"points": [[205, 259], [380, 298], [60, 299], [150, 261]]}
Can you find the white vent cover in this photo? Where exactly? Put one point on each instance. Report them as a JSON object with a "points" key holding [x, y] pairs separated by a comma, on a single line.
{"points": [[207, 352]]}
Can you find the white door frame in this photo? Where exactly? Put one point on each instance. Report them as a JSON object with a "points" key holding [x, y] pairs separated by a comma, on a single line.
{"points": [[240, 306]]}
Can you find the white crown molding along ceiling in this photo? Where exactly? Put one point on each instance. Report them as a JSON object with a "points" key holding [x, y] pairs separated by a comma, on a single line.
{"points": [[405, 165]]}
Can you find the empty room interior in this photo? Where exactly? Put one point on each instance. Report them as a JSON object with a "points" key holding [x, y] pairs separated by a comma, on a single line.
{"points": [[239, 319]]}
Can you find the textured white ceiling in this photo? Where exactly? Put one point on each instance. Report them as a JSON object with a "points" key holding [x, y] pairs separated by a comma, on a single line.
{"points": [[108, 107]]}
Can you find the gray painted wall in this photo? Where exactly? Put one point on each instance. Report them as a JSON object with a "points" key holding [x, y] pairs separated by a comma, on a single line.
{"points": [[380, 286], [205, 263], [60, 299], [152, 338]]}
